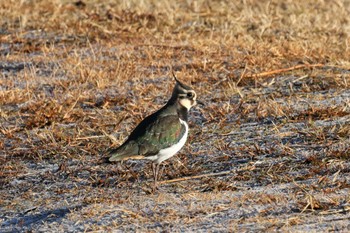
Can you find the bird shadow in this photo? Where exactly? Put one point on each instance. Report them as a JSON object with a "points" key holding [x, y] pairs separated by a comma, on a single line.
{"points": [[24, 221]]}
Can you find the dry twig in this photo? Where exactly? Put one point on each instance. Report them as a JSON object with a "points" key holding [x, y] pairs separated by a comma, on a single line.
{"points": [[273, 72], [196, 177]]}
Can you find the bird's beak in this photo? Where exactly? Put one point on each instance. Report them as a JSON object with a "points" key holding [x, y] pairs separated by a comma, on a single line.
{"points": [[199, 102]]}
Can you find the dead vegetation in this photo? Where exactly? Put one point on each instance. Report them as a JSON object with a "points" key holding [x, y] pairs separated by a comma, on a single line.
{"points": [[268, 151]]}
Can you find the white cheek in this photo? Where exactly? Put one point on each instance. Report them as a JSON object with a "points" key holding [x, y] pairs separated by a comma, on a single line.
{"points": [[186, 103]]}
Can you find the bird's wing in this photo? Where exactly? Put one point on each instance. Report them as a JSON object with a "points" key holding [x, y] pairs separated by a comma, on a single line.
{"points": [[149, 137], [162, 133]]}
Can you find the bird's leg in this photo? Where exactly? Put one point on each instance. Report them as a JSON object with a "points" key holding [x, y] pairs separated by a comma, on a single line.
{"points": [[161, 171], [155, 168], [155, 174]]}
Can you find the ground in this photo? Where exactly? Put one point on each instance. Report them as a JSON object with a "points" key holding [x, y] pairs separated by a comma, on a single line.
{"points": [[268, 151]]}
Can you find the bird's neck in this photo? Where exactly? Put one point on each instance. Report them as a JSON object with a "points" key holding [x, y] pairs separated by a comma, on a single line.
{"points": [[174, 107], [182, 112]]}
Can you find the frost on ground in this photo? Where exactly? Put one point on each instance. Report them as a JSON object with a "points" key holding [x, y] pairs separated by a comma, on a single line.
{"points": [[269, 150], [286, 174]]}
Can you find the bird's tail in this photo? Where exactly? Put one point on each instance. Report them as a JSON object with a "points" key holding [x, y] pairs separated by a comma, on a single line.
{"points": [[123, 152]]}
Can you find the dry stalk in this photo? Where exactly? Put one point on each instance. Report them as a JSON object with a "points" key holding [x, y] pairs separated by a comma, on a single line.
{"points": [[279, 71], [196, 177]]}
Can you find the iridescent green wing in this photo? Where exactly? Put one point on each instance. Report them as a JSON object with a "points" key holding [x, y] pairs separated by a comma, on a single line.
{"points": [[162, 133]]}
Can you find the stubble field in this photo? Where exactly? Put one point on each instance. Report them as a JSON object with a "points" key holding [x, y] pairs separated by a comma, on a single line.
{"points": [[269, 150]]}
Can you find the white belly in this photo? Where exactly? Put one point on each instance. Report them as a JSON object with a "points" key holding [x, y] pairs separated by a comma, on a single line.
{"points": [[166, 153]]}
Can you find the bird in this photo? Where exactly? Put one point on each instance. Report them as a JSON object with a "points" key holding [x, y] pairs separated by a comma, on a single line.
{"points": [[162, 134]]}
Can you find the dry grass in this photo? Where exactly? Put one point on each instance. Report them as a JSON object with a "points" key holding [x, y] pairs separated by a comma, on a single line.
{"points": [[77, 77]]}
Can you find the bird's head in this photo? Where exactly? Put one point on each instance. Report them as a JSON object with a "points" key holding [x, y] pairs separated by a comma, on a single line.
{"points": [[184, 95]]}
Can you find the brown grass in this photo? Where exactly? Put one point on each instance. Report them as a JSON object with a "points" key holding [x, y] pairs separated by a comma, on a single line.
{"points": [[268, 151]]}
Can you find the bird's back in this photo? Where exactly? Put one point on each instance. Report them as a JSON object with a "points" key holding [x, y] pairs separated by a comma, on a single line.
{"points": [[150, 136]]}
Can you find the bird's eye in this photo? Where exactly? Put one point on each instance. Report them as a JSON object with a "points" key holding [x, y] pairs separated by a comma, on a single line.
{"points": [[190, 95]]}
